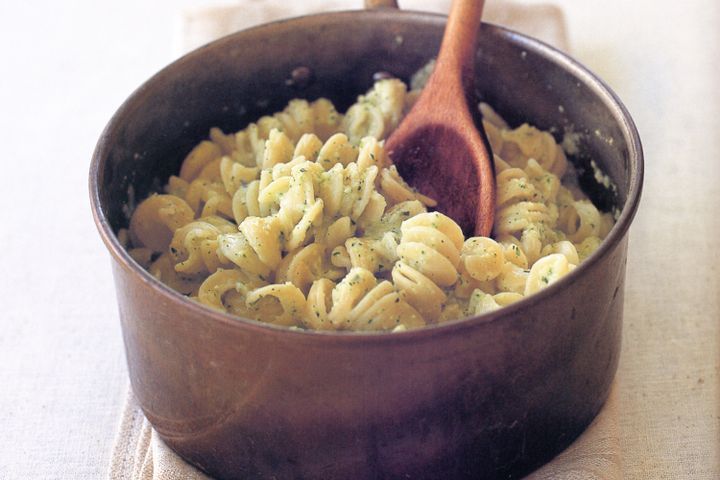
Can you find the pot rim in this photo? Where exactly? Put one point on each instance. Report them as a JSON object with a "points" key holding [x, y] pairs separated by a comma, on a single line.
{"points": [[361, 338]]}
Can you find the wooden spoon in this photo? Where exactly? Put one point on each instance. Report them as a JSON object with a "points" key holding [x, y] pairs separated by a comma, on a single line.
{"points": [[437, 148]]}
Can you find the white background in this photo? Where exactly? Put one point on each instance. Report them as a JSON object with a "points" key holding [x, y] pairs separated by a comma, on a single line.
{"points": [[67, 65]]}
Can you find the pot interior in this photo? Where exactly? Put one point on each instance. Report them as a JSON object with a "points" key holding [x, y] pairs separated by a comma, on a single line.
{"points": [[235, 80]]}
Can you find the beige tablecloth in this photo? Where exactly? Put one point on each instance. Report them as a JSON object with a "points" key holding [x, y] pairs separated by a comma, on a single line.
{"points": [[63, 379], [140, 454]]}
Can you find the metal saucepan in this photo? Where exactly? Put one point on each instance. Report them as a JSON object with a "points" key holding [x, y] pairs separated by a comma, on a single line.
{"points": [[486, 397]]}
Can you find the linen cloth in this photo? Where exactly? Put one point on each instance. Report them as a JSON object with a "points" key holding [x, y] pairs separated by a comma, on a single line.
{"points": [[62, 366], [140, 454]]}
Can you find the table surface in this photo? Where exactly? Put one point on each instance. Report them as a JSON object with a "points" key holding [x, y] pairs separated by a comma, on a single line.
{"points": [[68, 65]]}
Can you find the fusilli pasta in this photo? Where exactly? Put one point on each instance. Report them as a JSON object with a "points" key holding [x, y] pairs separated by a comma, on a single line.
{"points": [[301, 220]]}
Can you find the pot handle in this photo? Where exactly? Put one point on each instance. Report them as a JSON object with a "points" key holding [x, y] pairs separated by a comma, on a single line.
{"points": [[373, 4]]}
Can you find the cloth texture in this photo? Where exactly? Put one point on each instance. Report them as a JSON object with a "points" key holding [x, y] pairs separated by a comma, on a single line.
{"points": [[140, 454]]}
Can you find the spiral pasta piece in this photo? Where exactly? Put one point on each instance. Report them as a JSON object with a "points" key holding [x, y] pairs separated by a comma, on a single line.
{"points": [[523, 215], [301, 117], [368, 253], [308, 147], [194, 246], [393, 217], [513, 251], [164, 270], [429, 255], [483, 258], [565, 248], [466, 284], [327, 119], [337, 150], [377, 112], [336, 233], [263, 235], [527, 142], [512, 279], [236, 249], [234, 174], [198, 158], [226, 290], [481, 302], [294, 121], [256, 248], [431, 244], [377, 249], [395, 190], [419, 291], [226, 142], [547, 184], [156, 218], [209, 198], [279, 304], [278, 149], [547, 271], [249, 146], [359, 302], [513, 186], [587, 247], [176, 186], [363, 120], [305, 265], [348, 191], [372, 153], [582, 219]]}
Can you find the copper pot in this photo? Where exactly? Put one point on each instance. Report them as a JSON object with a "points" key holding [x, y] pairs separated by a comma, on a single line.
{"points": [[486, 397]]}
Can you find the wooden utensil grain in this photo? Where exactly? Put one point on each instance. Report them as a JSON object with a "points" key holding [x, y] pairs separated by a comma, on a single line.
{"points": [[438, 148]]}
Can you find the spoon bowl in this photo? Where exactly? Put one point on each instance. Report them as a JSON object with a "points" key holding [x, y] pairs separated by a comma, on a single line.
{"points": [[438, 148], [455, 185]]}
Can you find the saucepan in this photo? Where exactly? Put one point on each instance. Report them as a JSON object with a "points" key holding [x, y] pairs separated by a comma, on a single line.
{"points": [[492, 396]]}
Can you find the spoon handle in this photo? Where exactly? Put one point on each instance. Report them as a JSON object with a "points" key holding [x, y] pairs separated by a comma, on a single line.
{"points": [[460, 39], [373, 4]]}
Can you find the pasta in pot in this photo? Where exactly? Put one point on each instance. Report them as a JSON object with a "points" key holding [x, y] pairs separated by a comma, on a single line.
{"points": [[300, 219]]}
